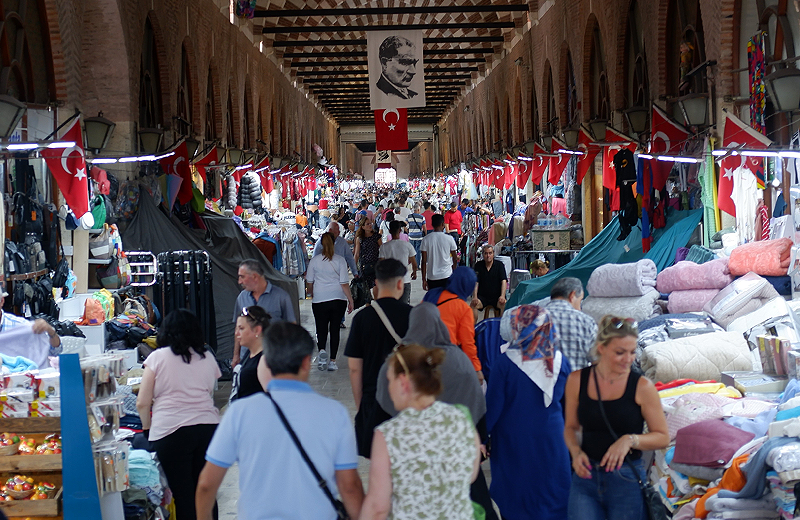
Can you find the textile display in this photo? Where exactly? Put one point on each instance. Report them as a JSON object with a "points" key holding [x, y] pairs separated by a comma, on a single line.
{"points": [[700, 254], [688, 275], [707, 177], [741, 297], [605, 249], [766, 258], [690, 300], [638, 308], [757, 68], [702, 357], [737, 133], [614, 280]]}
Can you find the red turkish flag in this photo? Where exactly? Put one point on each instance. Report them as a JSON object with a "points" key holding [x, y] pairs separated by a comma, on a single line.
{"points": [[484, 166], [524, 169], [622, 141], [539, 164], [590, 152], [263, 172], [510, 171], [666, 136], [208, 159], [737, 134], [498, 175], [557, 164], [68, 166], [178, 164], [391, 129]]}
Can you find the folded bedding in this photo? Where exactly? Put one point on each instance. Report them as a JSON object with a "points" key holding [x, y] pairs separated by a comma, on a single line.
{"points": [[618, 280], [782, 284], [700, 254], [637, 307], [702, 357], [766, 257], [743, 296], [685, 275], [691, 300]]}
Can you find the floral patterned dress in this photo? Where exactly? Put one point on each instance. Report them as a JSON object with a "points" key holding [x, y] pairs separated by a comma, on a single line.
{"points": [[432, 452], [370, 246]]}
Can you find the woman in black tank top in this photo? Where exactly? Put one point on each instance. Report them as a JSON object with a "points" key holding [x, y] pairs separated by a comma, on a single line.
{"points": [[603, 485]]}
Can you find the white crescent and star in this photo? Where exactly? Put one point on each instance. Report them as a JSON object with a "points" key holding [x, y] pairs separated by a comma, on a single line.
{"points": [[391, 111], [663, 137], [80, 173]]}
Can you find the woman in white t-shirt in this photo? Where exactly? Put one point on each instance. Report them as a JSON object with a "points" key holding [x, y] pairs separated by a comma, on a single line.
{"points": [[178, 386], [328, 284]]}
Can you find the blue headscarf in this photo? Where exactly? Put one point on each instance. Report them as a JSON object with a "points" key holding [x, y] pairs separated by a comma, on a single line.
{"points": [[461, 283]]}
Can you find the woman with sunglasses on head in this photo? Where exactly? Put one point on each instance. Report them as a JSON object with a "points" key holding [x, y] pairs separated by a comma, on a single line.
{"points": [[424, 459], [608, 396], [250, 328], [366, 251]]}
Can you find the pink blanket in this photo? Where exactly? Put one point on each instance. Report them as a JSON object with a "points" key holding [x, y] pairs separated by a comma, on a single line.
{"points": [[685, 276], [690, 301], [767, 258]]}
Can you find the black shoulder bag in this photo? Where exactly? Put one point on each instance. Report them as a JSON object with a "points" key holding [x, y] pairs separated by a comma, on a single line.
{"points": [[652, 500], [338, 506]]}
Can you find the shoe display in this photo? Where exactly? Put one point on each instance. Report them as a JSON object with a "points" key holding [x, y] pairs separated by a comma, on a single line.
{"points": [[322, 360]]}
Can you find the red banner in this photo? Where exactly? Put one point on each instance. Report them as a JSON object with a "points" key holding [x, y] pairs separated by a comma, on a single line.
{"points": [[68, 166], [178, 164], [391, 129]]}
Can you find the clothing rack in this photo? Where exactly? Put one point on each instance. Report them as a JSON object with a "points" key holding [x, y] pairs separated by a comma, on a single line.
{"points": [[185, 282]]}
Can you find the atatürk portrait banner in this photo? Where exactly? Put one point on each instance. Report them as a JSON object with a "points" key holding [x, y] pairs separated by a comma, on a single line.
{"points": [[396, 75]]}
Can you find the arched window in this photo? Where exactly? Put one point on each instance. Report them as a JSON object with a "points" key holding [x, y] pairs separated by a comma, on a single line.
{"points": [[551, 114], [572, 95], [685, 48], [184, 111], [211, 120], [600, 99], [246, 143], [25, 69], [509, 140], [637, 91], [150, 112], [229, 135], [534, 115]]}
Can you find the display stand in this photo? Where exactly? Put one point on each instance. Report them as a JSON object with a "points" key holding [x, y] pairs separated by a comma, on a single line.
{"points": [[81, 497]]}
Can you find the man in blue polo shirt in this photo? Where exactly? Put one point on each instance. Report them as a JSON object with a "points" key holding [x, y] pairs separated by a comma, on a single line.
{"points": [[259, 291], [274, 480]]}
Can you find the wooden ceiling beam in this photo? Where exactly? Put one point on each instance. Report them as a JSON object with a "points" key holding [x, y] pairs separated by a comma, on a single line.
{"points": [[363, 63], [374, 11], [460, 73], [363, 42], [295, 29], [363, 54]]}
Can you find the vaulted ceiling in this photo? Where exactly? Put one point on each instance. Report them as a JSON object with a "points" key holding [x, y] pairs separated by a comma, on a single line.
{"points": [[322, 43]]}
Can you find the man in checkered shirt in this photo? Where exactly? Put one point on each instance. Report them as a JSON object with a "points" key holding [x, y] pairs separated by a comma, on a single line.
{"points": [[576, 330]]}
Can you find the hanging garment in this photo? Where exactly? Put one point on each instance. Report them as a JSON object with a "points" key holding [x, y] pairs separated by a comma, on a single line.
{"points": [[570, 183], [744, 196], [626, 177], [757, 66], [762, 228]]}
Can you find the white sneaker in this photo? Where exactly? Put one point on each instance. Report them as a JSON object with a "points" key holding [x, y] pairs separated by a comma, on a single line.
{"points": [[332, 365], [322, 359]]}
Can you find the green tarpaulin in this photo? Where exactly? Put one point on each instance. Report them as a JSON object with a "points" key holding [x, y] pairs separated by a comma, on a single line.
{"points": [[606, 249]]}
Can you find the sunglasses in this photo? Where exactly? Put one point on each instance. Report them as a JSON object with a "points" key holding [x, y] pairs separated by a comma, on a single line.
{"points": [[246, 312], [399, 356], [617, 323]]}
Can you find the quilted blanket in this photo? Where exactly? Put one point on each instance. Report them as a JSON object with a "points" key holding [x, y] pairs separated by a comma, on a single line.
{"points": [[767, 258], [742, 296], [701, 358], [689, 275], [637, 307], [615, 280], [690, 301]]}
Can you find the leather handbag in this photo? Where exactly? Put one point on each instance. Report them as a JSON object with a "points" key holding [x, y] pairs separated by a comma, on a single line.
{"points": [[651, 498], [338, 506]]}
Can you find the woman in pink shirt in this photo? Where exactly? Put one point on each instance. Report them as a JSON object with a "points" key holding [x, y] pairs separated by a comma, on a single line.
{"points": [[178, 386]]}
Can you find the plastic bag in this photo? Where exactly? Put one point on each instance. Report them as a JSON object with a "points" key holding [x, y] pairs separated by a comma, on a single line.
{"points": [[93, 313]]}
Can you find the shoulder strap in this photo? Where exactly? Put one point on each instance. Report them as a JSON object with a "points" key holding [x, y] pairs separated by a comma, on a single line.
{"points": [[320, 480], [447, 300], [386, 322]]}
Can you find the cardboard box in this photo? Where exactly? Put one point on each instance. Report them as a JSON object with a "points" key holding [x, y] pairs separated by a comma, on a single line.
{"points": [[546, 240], [748, 382], [774, 354]]}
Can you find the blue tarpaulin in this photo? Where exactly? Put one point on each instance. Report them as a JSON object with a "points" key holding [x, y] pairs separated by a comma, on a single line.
{"points": [[606, 249]]}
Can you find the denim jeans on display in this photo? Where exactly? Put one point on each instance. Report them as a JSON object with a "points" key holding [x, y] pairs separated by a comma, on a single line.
{"points": [[607, 496]]}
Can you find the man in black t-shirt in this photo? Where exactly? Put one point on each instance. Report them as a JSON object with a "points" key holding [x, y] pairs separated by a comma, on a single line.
{"points": [[492, 283], [370, 343]]}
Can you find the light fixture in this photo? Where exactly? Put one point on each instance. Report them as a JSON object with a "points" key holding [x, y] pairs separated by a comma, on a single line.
{"points": [[61, 144], [694, 108], [11, 112], [102, 160], [249, 157], [98, 132], [150, 139], [22, 146], [570, 136], [598, 126], [234, 156], [783, 87], [637, 119], [192, 145]]}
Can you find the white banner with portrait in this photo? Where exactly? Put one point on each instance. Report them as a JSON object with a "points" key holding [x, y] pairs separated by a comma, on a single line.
{"points": [[396, 69]]}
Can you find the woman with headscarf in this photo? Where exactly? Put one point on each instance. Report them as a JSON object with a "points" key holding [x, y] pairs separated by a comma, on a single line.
{"points": [[457, 314], [459, 386], [525, 420]]}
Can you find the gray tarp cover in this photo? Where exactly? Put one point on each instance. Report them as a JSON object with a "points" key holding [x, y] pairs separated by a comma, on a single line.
{"points": [[152, 230]]}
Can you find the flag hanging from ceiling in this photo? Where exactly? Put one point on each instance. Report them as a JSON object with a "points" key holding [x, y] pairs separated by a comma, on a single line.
{"points": [[620, 141], [208, 159], [539, 164], [666, 138], [510, 171], [524, 169], [68, 166], [586, 160], [391, 129], [178, 164], [738, 134]]}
